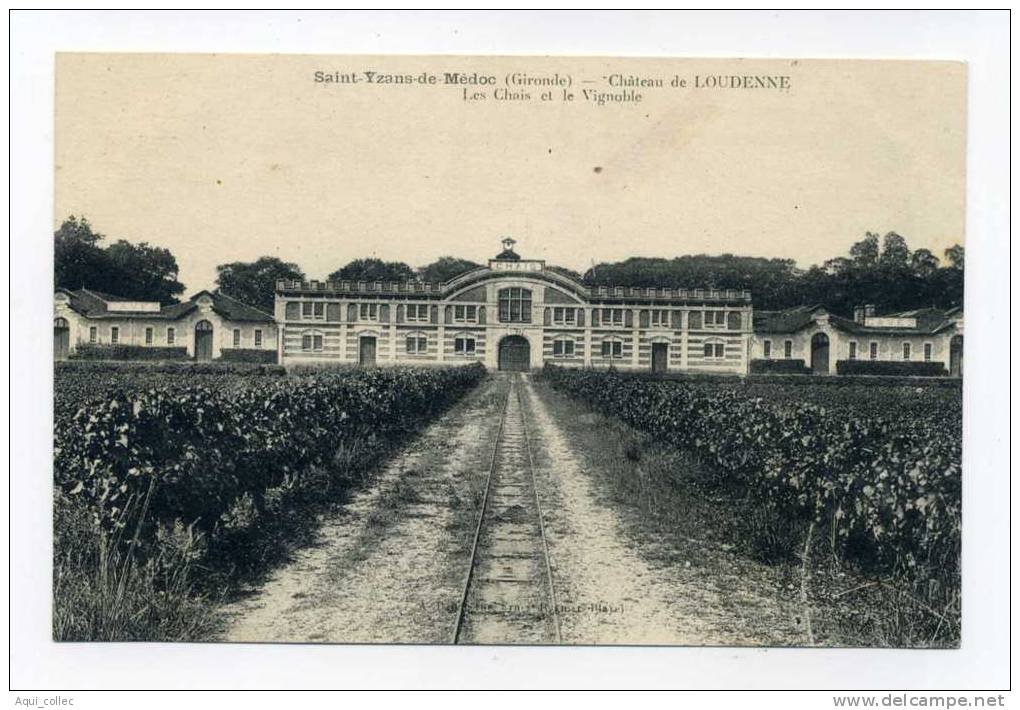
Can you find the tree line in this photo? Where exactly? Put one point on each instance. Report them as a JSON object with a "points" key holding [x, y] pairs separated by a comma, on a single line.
{"points": [[881, 271]]}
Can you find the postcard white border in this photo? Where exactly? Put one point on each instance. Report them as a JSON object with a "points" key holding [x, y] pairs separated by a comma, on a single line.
{"points": [[979, 39]]}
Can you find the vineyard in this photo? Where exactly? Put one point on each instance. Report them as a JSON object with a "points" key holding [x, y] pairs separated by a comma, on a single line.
{"points": [[875, 472], [160, 467]]}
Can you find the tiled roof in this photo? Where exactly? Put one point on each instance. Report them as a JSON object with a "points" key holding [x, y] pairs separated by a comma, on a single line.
{"points": [[92, 304], [232, 309], [791, 320]]}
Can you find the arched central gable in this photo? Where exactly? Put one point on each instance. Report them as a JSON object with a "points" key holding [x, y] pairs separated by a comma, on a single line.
{"points": [[556, 288]]}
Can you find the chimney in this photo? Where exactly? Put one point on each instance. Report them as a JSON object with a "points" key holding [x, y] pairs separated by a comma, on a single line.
{"points": [[859, 314], [869, 310]]}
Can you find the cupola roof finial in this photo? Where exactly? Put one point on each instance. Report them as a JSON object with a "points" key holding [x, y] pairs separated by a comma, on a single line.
{"points": [[508, 253]]}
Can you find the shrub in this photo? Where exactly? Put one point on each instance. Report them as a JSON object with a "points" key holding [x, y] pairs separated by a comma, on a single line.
{"points": [[248, 355], [90, 351], [891, 367], [783, 367], [187, 367], [164, 479], [204, 449], [887, 482]]}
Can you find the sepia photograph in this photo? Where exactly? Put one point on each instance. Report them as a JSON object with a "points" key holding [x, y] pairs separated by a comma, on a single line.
{"points": [[508, 350], [503, 350]]}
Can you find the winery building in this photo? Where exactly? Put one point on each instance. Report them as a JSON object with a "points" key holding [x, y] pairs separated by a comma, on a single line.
{"points": [[822, 343], [514, 314], [208, 326]]}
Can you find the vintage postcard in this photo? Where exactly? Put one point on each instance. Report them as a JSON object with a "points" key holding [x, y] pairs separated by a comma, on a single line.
{"points": [[508, 350]]}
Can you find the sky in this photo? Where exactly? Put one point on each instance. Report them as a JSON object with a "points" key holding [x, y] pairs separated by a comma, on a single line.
{"points": [[224, 158]]}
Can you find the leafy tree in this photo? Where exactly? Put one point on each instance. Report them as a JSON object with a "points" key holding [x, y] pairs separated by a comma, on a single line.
{"points": [[254, 282], [955, 256], [78, 260], [144, 272], [373, 270], [923, 263], [865, 252], [881, 272], [895, 252], [139, 271], [445, 268]]}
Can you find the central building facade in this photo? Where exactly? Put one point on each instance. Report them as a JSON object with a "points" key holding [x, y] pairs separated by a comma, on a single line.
{"points": [[513, 314]]}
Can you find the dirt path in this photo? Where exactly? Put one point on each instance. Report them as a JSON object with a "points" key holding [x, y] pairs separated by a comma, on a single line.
{"points": [[609, 591], [389, 568]]}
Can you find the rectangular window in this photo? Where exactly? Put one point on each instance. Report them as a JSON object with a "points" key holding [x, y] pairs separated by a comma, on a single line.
{"points": [[465, 314], [171, 336], [237, 337], [515, 305], [927, 352], [612, 317], [906, 351], [317, 342], [417, 344], [787, 349], [715, 319], [319, 311], [660, 319], [148, 336], [612, 349], [368, 311], [93, 334], [464, 346], [873, 351], [563, 348], [417, 312], [306, 309], [767, 349], [258, 338], [564, 316], [114, 334], [853, 350]]}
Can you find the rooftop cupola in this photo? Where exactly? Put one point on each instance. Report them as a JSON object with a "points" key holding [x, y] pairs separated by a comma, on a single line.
{"points": [[508, 253]]}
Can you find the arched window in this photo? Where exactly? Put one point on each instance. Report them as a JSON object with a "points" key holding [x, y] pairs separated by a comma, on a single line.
{"points": [[311, 341], [715, 349], [416, 343], [60, 323], [514, 305]]}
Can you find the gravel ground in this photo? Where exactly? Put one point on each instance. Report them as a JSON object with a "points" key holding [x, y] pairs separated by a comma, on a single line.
{"points": [[390, 566], [611, 586]]}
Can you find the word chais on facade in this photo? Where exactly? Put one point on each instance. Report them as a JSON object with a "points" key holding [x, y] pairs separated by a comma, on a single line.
{"points": [[516, 314]]}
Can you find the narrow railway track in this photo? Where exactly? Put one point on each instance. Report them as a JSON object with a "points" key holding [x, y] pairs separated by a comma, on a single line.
{"points": [[508, 594]]}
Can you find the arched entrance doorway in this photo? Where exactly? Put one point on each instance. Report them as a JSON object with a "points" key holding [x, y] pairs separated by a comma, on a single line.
{"points": [[61, 338], [514, 354], [956, 356], [203, 340], [820, 354]]}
